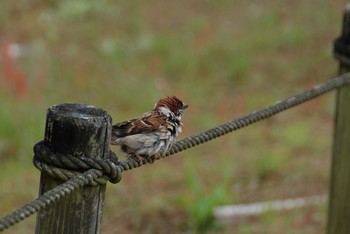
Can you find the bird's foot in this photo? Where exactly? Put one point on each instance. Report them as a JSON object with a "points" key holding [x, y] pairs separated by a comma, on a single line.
{"points": [[139, 159], [143, 159], [153, 158]]}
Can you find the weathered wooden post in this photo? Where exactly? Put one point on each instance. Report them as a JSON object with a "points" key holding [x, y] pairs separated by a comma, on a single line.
{"points": [[78, 130], [339, 196]]}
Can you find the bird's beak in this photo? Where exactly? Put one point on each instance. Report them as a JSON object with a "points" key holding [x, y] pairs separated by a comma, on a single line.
{"points": [[184, 106]]}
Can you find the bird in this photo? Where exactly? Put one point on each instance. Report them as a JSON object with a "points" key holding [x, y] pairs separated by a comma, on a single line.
{"points": [[151, 134]]}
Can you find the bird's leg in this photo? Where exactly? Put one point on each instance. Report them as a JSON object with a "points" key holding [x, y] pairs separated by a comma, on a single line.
{"points": [[138, 158], [154, 157], [141, 158]]}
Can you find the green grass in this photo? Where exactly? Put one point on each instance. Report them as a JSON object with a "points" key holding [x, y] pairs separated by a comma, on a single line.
{"points": [[223, 58]]}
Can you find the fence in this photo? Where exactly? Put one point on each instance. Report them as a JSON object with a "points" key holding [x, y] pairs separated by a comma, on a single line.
{"points": [[76, 161]]}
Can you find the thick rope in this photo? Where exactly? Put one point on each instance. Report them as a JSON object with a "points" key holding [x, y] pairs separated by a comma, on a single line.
{"points": [[65, 167], [49, 197], [261, 114], [70, 168]]}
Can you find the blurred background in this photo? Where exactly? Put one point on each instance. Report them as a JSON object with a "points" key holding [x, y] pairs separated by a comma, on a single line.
{"points": [[223, 58]]}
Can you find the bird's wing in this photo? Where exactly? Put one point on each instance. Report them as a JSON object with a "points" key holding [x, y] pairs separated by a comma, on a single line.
{"points": [[147, 122]]}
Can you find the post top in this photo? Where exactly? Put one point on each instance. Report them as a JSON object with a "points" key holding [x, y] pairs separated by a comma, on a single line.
{"points": [[347, 7], [77, 110]]}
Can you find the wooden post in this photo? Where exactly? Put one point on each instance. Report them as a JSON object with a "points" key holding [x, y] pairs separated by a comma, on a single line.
{"points": [[75, 129], [339, 195]]}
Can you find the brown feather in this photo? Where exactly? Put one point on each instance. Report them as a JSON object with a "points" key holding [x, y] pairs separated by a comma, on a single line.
{"points": [[148, 122]]}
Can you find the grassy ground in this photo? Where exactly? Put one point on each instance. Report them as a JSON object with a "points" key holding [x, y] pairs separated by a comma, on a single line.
{"points": [[223, 58]]}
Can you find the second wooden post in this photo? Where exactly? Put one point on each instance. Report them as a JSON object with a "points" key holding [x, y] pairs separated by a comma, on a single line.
{"points": [[339, 195]]}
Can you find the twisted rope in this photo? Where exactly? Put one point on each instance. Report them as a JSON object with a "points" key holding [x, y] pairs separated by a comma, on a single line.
{"points": [[98, 171], [49, 197], [259, 115], [66, 167]]}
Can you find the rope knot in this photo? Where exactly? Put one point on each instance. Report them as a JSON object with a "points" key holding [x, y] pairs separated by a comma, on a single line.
{"points": [[65, 167]]}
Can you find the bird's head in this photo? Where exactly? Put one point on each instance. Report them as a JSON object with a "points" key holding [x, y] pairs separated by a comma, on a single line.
{"points": [[175, 105]]}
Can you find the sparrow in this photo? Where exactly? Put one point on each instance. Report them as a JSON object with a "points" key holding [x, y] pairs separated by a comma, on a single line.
{"points": [[151, 134]]}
